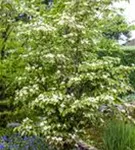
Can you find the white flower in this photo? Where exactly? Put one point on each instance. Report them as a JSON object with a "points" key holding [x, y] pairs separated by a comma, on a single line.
{"points": [[80, 26], [50, 55], [28, 68], [62, 105], [84, 41]]}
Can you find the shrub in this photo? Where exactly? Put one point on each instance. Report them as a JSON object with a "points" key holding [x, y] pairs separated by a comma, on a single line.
{"points": [[129, 98], [119, 135]]}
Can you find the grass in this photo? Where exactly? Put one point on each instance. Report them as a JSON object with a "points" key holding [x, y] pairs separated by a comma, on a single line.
{"points": [[119, 136]]}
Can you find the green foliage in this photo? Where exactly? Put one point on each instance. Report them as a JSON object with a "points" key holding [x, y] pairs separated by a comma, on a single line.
{"points": [[6, 131], [129, 54], [128, 59], [57, 76], [128, 48], [119, 135], [130, 98], [11, 65], [119, 27]]}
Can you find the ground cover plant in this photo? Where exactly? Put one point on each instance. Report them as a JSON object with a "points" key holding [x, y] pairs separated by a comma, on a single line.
{"points": [[17, 142]]}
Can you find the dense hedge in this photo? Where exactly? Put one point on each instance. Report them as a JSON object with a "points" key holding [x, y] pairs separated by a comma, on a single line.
{"points": [[127, 55], [128, 58]]}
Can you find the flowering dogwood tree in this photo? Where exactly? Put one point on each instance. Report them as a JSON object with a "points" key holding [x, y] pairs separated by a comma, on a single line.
{"points": [[65, 80]]}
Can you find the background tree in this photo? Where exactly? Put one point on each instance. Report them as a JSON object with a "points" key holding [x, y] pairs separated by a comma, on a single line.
{"points": [[11, 64], [117, 29]]}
